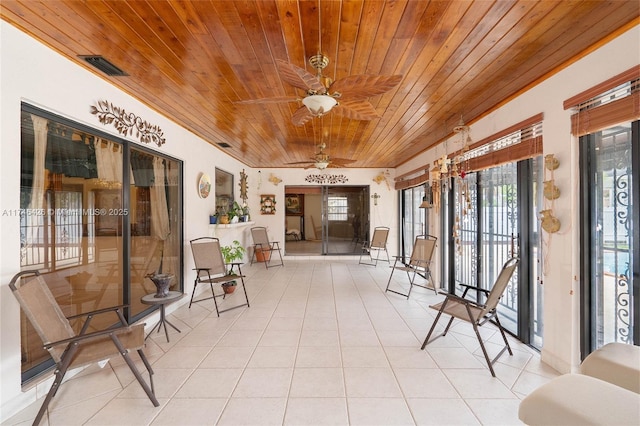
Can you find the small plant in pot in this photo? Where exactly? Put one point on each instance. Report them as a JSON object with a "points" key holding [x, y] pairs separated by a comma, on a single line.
{"points": [[230, 254]]}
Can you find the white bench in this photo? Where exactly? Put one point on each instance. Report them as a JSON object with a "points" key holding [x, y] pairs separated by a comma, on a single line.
{"points": [[576, 399], [616, 363]]}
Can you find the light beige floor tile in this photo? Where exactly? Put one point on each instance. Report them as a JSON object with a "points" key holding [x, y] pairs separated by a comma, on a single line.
{"points": [[368, 356], [351, 337], [425, 383], [319, 338], [398, 338], [317, 383], [253, 411], [264, 382], [190, 412], [280, 338], [472, 383], [183, 357], [210, 383], [436, 412], [85, 387], [78, 414], [166, 381], [454, 358], [409, 357], [240, 338], [371, 382], [227, 357], [316, 411], [378, 411], [126, 411], [314, 356], [498, 412], [273, 357]]}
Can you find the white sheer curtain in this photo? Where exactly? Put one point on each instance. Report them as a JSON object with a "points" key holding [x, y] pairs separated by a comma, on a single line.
{"points": [[160, 227], [39, 153], [108, 160]]}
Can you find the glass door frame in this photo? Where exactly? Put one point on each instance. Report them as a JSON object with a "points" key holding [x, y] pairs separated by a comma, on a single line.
{"points": [[587, 334]]}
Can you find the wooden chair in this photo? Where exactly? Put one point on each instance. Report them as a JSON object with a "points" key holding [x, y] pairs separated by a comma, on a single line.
{"points": [[419, 265], [263, 248], [378, 243], [211, 269], [70, 349], [475, 313]]}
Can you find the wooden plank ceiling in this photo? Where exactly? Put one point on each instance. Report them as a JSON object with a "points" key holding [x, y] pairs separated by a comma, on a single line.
{"points": [[194, 60]]}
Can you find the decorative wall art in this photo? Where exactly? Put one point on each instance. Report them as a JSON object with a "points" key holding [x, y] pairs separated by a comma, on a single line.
{"points": [[294, 204], [125, 123], [333, 179], [243, 187], [204, 185], [224, 191], [267, 204]]}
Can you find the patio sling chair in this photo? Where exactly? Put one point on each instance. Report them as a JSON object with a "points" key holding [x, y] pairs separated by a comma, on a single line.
{"points": [[419, 266], [69, 349], [378, 243], [476, 313], [211, 269], [263, 248]]}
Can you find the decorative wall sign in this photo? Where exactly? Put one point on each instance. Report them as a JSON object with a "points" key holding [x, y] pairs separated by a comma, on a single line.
{"points": [[326, 179], [204, 186], [243, 186], [267, 204], [125, 123]]}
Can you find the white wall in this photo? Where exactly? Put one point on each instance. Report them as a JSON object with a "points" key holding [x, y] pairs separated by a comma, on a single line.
{"points": [[561, 275]]}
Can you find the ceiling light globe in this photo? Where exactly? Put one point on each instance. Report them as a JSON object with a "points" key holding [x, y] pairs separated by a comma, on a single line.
{"points": [[322, 165], [319, 104]]}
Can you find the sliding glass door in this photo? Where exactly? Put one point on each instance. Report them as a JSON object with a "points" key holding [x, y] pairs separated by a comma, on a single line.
{"points": [[97, 215], [493, 218], [610, 163]]}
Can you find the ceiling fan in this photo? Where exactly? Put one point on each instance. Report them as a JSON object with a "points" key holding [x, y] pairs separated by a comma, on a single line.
{"points": [[321, 160], [346, 96]]}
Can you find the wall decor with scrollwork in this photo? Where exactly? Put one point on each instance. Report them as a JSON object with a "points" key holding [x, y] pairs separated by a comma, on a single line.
{"points": [[327, 179], [126, 123]]}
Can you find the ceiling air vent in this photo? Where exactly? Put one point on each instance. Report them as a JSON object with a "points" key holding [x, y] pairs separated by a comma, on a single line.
{"points": [[103, 65], [224, 145]]}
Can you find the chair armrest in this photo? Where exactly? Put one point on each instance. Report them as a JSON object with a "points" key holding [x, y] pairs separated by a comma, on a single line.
{"points": [[201, 269], [472, 287], [98, 311], [461, 299], [87, 336]]}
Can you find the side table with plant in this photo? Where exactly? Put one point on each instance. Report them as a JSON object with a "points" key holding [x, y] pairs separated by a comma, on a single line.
{"points": [[232, 256]]}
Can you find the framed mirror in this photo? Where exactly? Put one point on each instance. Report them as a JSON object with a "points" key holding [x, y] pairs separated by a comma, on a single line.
{"points": [[224, 191]]}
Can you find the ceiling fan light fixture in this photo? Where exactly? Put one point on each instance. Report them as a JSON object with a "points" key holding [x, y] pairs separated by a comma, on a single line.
{"points": [[319, 104], [321, 165]]}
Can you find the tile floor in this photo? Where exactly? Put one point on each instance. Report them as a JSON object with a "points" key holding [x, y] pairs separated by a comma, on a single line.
{"points": [[322, 343]]}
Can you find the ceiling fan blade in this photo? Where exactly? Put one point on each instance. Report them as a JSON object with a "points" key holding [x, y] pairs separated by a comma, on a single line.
{"points": [[358, 87], [275, 100], [301, 116], [342, 160], [299, 77], [356, 110]]}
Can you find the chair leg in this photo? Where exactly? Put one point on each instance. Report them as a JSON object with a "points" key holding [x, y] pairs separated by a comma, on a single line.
{"points": [[504, 336], [135, 371], [52, 391], [484, 350], [433, 327], [193, 293]]}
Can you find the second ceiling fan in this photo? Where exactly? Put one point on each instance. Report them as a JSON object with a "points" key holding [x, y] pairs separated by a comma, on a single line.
{"points": [[346, 96]]}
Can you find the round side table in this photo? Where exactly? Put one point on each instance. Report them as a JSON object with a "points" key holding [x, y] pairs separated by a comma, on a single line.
{"points": [[150, 299]]}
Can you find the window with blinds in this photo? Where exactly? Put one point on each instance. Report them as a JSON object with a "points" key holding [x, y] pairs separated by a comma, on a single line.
{"points": [[519, 142], [614, 101]]}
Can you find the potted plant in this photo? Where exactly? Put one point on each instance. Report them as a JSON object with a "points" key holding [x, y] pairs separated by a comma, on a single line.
{"points": [[235, 213], [230, 254], [245, 213]]}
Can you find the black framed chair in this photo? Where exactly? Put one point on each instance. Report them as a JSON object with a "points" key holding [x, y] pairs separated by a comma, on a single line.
{"points": [[377, 244], [69, 349], [263, 249], [419, 265], [475, 313], [211, 269]]}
